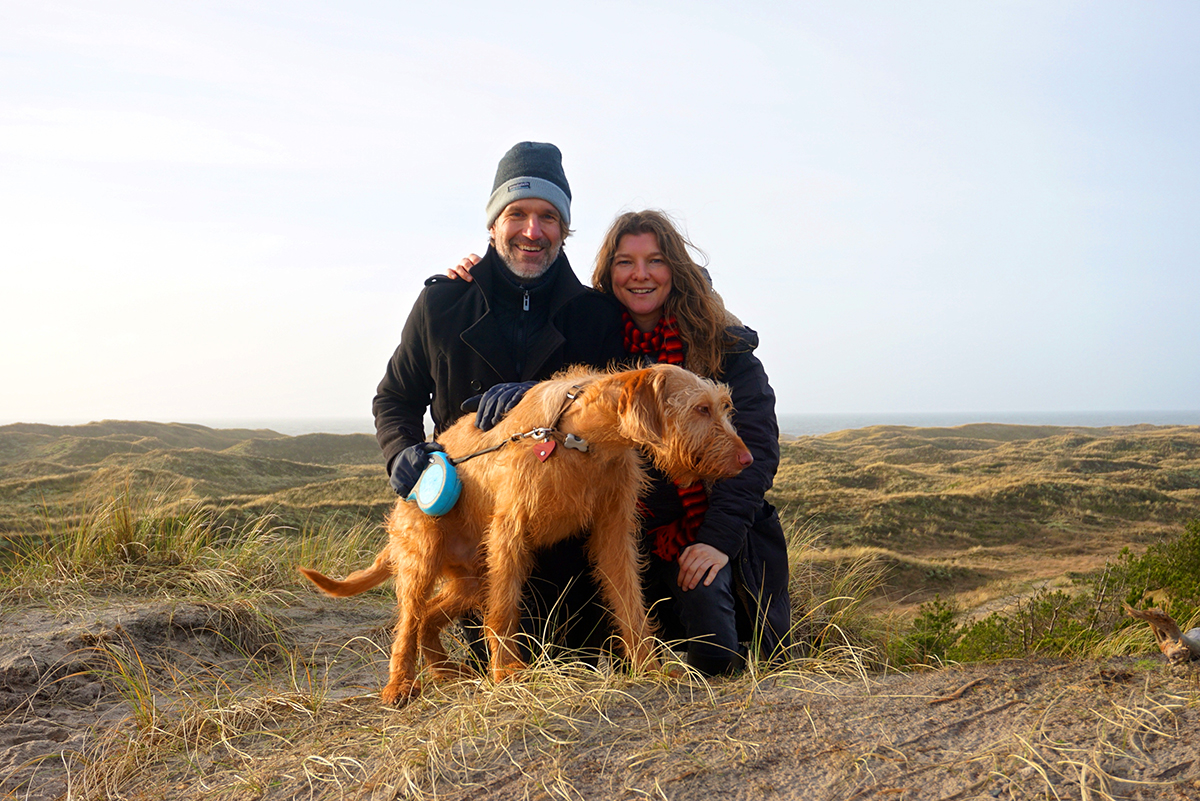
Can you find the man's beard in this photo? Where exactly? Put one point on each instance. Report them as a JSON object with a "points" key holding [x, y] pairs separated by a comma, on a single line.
{"points": [[519, 262]]}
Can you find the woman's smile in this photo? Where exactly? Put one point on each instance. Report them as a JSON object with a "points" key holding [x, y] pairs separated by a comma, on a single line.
{"points": [[641, 279]]}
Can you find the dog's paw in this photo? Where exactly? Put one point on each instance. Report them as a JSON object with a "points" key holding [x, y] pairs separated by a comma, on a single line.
{"points": [[507, 672], [445, 671], [675, 671], [399, 693]]}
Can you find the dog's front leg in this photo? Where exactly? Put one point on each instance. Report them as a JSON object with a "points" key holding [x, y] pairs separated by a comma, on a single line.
{"points": [[508, 566], [613, 551]]}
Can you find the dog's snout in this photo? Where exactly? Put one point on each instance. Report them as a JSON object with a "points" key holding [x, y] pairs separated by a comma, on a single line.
{"points": [[745, 459]]}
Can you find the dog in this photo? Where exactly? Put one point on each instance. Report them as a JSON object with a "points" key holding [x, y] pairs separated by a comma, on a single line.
{"points": [[567, 459]]}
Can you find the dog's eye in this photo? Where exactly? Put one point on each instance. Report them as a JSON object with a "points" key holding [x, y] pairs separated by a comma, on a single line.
{"points": [[703, 410]]}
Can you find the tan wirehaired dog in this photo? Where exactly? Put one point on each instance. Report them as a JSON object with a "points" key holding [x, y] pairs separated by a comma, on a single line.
{"points": [[515, 500]]}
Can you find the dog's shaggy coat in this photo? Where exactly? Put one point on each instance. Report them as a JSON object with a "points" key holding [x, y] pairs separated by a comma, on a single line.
{"points": [[512, 503]]}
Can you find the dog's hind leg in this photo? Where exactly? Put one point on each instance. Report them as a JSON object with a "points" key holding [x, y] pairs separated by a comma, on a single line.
{"points": [[415, 576], [508, 565], [460, 593], [616, 563]]}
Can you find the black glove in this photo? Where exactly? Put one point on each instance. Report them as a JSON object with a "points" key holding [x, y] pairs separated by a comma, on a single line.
{"points": [[496, 402], [408, 465]]}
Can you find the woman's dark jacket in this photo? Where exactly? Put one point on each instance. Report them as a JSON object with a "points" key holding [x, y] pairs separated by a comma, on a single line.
{"points": [[739, 521]]}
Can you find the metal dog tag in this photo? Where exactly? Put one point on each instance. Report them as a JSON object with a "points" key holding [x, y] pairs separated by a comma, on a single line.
{"points": [[576, 443], [544, 449]]}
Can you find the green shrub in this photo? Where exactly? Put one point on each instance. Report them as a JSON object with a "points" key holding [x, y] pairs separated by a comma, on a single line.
{"points": [[1077, 620], [1171, 567], [931, 636], [1052, 622], [989, 638]]}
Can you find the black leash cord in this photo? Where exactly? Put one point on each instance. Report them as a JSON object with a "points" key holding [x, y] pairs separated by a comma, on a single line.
{"points": [[572, 394]]}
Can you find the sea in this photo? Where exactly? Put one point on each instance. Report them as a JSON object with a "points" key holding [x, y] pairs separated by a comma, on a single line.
{"points": [[793, 424]]}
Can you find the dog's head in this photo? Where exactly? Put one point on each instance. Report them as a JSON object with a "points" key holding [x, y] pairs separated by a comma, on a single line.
{"points": [[683, 422]]}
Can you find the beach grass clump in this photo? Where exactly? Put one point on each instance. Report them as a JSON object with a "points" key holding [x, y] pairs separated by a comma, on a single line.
{"points": [[830, 614], [154, 543], [189, 720]]}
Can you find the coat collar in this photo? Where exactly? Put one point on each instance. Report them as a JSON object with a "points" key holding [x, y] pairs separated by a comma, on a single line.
{"points": [[484, 337]]}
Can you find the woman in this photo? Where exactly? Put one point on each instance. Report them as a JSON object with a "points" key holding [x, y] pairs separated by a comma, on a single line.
{"points": [[717, 573], [718, 558]]}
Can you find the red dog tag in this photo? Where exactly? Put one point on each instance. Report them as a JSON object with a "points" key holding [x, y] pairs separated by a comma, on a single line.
{"points": [[544, 449]]}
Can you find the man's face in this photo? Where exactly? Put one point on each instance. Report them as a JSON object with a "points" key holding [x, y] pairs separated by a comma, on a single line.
{"points": [[528, 235]]}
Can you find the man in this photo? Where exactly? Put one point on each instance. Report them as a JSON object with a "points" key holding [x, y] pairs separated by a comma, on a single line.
{"points": [[524, 317]]}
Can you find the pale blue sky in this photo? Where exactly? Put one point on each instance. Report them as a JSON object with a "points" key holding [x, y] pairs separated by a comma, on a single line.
{"points": [[217, 210]]}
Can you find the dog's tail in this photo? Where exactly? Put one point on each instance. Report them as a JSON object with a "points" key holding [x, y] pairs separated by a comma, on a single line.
{"points": [[356, 582]]}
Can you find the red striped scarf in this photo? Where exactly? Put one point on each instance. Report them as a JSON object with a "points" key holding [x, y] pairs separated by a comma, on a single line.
{"points": [[664, 345]]}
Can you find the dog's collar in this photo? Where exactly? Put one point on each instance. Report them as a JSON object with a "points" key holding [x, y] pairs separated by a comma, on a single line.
{"points": [[540, 434]]}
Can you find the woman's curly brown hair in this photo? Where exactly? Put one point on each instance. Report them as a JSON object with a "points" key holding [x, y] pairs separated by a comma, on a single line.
{"points": [[698, 309]]}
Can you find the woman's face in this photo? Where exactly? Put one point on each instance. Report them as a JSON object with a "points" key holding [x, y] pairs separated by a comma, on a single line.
{"points": [[641, 279]]}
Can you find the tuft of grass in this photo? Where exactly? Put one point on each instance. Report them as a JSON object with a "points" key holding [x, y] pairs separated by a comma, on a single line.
{"points": [[830, 615], [155, 544]]}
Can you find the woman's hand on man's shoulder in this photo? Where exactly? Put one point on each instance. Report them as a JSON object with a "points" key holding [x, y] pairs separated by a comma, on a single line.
{"points": [[463, 268]]}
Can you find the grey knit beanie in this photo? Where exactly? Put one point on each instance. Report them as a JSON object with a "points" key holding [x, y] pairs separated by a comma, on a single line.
{"points": [[530, 169]]}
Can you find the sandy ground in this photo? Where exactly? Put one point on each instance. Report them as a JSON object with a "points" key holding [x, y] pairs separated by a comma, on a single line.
{"points": [[1118, 728]]}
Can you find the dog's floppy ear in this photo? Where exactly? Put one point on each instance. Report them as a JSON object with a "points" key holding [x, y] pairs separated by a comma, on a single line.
{"points": [[639, 409]]}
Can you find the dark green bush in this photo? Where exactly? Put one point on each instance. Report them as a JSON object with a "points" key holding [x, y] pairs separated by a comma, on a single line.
{"points": [[1071, 621], [1171, 567], [1051, 622], [932, 634]]}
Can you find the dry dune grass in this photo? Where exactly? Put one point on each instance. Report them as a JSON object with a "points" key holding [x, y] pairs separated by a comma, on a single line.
{"points": [[182, 720], [982, 512], [50, 474], [178, 698], [156, 643]]}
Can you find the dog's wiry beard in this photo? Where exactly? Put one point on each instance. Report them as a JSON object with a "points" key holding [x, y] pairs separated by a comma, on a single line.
{"points": [[520, 263]]}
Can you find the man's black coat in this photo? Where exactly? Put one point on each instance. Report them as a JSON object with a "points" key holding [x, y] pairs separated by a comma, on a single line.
{"points": [[461, 336]]}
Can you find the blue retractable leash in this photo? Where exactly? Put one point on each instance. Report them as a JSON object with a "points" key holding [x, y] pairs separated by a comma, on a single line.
{"points": [[439, 486]]}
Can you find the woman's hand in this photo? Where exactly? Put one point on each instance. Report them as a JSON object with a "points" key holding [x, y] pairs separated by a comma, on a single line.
{"points": [[463, 268], [700, 561]]}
